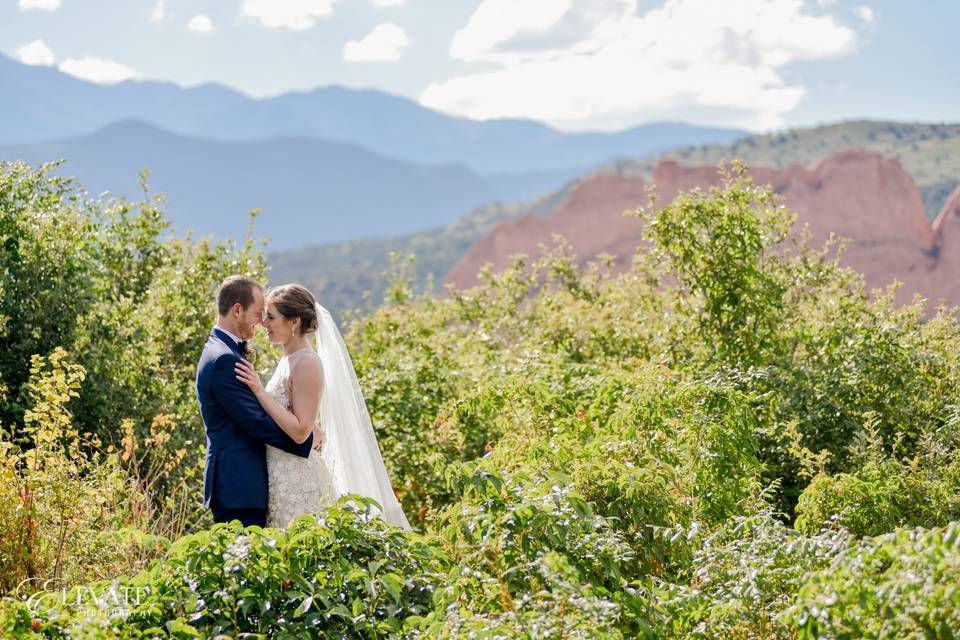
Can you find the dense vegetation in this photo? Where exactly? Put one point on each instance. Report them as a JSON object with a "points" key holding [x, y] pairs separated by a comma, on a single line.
{"points": [[101, 316], [731, 440], [343, 272]]}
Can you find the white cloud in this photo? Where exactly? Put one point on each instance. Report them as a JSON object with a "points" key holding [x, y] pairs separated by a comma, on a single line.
{"points": [[385, 43], [42, 5], [288, 14], [200, 24], [36, 53], [97, 70], [157, 14], [388, 3], [866, 14], [598, 64], [508, 32]]}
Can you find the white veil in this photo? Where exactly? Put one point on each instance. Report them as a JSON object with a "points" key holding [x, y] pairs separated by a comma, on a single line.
{"points": [[350, 450]]}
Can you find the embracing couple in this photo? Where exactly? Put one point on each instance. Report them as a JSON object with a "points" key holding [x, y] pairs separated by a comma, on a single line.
{"points": [[289, 448]]}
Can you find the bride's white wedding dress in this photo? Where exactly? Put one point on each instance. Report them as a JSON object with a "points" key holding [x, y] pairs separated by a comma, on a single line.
{"points": [[296, 485], [350, 461]]}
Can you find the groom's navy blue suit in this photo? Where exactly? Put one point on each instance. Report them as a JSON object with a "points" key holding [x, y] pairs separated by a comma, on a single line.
{"points": [[235, 478]]}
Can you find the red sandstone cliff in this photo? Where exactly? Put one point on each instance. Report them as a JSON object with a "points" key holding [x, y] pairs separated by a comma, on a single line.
{"points": [[860, 195], [946, 229]]}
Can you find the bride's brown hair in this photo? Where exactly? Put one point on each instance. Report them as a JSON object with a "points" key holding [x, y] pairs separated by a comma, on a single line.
{"points": [[294, 301]]}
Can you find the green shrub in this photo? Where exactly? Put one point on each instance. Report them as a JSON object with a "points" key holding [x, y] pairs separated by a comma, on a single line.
{"points": [[721, 248], [342, 573], [792, 328], [882, 496], [865, 507], [899, 585], [532, 553], [742, 577], [65, 517], [562, 607]]}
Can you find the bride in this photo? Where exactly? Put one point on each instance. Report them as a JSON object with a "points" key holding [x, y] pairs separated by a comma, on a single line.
{"points": [[305, 385]]}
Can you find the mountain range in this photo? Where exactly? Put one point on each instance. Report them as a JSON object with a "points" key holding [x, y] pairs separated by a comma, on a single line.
{"points": [[310, 191], [327, 165], [42, 104]]}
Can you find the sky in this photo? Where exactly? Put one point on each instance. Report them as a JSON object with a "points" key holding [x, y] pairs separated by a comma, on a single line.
{"points": [[578, 65]]}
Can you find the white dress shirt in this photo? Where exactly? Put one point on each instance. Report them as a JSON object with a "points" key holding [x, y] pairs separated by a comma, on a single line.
{"points": [[235, 338]]}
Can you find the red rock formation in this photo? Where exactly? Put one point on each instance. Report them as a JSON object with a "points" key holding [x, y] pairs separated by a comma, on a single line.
{"points": [[856, 194], [591, 218], [945, 285]]}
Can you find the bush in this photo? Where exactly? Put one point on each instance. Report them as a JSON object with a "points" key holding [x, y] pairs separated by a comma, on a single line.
{"points": [[742, 578], [65, 517], [342, 573], [792, 328], [886, 493], [899, 585], [865, 507]]}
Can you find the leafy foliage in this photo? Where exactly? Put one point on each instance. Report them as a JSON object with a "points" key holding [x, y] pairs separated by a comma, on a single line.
{"points": [[742, 578], [347, 575], [65, 516], [694, 448], [901, 585]]}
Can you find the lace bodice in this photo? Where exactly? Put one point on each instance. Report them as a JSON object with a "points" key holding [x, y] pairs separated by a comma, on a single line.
{"points": [[297, 486]]}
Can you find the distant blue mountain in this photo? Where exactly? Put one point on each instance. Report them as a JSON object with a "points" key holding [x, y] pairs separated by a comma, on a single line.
{"points": [[43, 104], [311, 191]]}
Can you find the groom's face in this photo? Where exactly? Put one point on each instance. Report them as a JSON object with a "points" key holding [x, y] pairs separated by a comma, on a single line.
{"points": [[251, 316]]}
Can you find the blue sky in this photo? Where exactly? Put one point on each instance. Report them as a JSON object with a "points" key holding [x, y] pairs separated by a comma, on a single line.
{"points": [[576, 64]]}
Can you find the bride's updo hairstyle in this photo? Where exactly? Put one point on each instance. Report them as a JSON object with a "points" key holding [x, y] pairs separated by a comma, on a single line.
{"points": [[294, 301]]}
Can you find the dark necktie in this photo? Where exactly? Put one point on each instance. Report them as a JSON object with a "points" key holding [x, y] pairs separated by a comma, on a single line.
{"points": [[243, 348]]}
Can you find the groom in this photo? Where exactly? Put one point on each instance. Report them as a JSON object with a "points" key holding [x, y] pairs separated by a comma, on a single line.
{"points": [[235, 478]]}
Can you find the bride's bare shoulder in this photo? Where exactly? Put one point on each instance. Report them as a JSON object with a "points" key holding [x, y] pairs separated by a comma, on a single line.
{"points": [[306, 364]]}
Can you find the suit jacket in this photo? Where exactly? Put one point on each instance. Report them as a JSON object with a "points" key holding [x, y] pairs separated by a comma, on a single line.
{"points": [[237, 428]]}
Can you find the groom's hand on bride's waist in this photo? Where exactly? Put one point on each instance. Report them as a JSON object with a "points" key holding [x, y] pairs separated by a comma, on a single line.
{"points": [[318, 437]]}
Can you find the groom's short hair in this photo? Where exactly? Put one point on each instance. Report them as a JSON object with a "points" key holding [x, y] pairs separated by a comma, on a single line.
{"points": [[234, 290]]}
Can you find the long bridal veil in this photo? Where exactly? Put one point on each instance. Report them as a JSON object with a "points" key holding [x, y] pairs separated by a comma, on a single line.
{"points": [[351, 450]]}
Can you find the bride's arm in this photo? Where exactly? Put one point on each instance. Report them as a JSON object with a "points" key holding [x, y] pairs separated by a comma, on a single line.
{"points": [[305, 380]]}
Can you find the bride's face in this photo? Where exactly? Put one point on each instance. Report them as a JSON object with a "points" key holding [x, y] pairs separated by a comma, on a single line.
{"points": [[279, 329]]}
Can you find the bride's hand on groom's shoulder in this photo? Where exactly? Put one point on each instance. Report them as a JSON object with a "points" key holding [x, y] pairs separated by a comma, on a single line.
{"points": [[248, 376]]}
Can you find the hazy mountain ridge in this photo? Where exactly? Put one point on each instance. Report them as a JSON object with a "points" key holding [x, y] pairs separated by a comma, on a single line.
{"points": [[327, 165], [43, 104], [309, 190]]}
